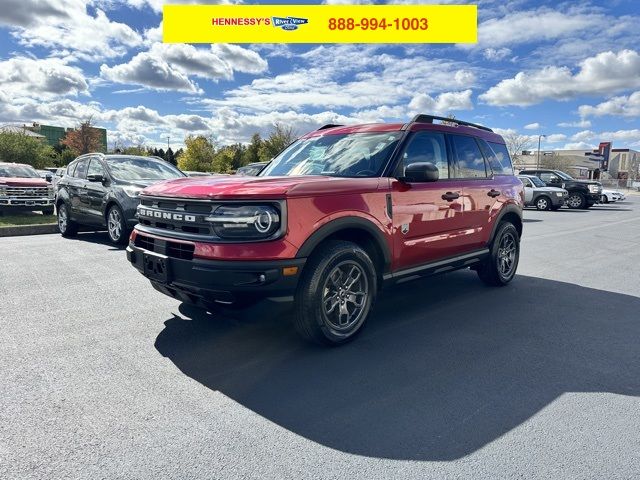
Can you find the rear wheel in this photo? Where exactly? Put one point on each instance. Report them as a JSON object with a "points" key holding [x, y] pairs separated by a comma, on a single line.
{"points": [[576, 200], [336, 293], [500, 268], [604, 199], [47, 211], [543, 203], [116, 226], [67, 227]]}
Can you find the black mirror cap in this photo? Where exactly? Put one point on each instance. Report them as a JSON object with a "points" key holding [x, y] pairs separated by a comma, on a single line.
{"points": [[95, 178], [421, 172]]}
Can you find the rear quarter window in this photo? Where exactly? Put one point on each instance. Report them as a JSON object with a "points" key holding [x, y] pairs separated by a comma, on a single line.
{"points": [[499, 159]]}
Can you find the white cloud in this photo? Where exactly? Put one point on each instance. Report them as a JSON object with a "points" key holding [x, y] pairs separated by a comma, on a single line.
{"points": [[533, 126], [583, 135], [606, 72], [45, 78], [496, 54], [623, 106], [578, 146], [168, 66], [149, 71], [579, 124], [443, 103], [156, 5], [67, 29], [555, 138]]}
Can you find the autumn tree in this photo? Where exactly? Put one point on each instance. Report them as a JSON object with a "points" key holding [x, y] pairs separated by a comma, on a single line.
{"points": [[84, 139], [199, 154]]}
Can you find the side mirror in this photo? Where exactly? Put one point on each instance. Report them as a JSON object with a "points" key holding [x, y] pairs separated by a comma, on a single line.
{"points": [[421, 172], [95, 178]]}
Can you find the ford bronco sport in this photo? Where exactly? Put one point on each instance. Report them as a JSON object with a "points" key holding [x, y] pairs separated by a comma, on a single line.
{"points": [[337, 214]]}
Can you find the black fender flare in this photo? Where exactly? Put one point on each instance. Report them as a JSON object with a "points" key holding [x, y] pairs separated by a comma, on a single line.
{"points": [[344, 223], [507, 209]]}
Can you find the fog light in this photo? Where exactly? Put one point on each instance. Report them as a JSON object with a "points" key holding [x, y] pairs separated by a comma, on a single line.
{"points": [[289, 271]]}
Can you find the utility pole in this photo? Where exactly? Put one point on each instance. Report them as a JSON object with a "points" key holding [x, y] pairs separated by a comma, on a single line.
{"points": [[538, 162], [168, 137]]}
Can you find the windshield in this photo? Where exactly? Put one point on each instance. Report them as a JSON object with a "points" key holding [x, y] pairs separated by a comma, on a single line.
{"points": [[564, 176], [131, 168], [537, 182], [347, 155], [18, 171]]}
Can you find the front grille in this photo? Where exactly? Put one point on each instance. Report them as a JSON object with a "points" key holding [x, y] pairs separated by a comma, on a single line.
{"points": [[181, 250], [178, 215], [27, 192]]}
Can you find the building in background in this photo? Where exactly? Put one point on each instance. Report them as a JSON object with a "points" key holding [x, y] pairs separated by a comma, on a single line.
{"points": [[612, 166], [23, 130], [55, 134]]}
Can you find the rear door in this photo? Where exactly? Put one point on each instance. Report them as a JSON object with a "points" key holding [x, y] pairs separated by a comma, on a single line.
{"points": [[95, 192], [473, 173], [427, 216]]}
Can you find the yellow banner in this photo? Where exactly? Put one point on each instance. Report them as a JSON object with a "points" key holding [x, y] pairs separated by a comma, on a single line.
{"points": [[320, 24]]}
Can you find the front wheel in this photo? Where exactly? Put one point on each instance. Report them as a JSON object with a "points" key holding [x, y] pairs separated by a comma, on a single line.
{"points": [[576, 200], [500, 268], [47, 211], [604, 199], [116, 226], [67, 227], [336, 293], [543, 203]]}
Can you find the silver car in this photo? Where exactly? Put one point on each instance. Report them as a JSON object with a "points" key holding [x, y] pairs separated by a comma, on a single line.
{"points": [[537, 194]]}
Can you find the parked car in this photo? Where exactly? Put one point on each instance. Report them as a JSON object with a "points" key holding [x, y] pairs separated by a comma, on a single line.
{"points": [[610, 196], [22, 189], [45, 175], [538, 194], [337, 214], [57, 175], [197, 174], [102, 190], [582, 193], [252, 169]]}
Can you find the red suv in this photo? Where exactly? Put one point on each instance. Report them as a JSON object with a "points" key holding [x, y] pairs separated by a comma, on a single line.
{"points": [[339, 213]]}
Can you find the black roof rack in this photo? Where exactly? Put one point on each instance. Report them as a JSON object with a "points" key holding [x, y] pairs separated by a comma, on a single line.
{"points": [[422, 118], [329, 125]]}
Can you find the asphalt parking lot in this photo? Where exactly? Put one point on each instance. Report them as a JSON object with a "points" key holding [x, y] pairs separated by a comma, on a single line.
{"points": [[103, 377]]}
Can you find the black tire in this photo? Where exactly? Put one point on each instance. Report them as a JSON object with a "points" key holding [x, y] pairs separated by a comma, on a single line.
{"points": [[604, 199], [116, 226], [492, 271], [47, 211], [543, 202], [576, 200], [67, 227], [323, 279]]}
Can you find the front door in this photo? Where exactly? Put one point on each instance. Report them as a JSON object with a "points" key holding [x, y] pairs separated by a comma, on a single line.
{"points": [[427, 216], [95, 192]]}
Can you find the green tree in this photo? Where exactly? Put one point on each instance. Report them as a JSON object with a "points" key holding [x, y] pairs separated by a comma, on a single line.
{"points": [[20, 148], [199, 154], [281, 137], [137, 150], [252, 151], [170, 157]]}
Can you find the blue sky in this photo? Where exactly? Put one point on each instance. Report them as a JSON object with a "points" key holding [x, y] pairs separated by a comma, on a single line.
{"points": [[568, 70]]}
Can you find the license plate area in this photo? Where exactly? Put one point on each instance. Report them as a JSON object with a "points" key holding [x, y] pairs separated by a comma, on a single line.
{"points": [[156, 267]]}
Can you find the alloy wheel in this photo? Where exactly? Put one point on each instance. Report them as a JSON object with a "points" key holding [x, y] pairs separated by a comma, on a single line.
{"points": [[574, 201], [507, 251], [62, 218], [345, 295], [114, 224], [542, 204]]}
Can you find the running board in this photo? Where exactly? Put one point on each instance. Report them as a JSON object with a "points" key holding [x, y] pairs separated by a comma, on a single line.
{"points": [[441, 266]]}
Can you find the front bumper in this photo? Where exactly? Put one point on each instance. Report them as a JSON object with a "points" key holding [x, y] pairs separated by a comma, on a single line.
{"points": [[26, 203], [205, 282], [558, 201]]}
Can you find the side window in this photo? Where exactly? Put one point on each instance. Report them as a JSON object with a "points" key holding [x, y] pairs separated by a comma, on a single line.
{"points": [[71, 168], [95, 167], [498, 157], [469, 160], [548, 177], [427, 147], [81, 169], [526, 182]]}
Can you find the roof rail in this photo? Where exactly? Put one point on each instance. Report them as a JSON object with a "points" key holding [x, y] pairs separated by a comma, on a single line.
{"points": [[423, 118], [329, 125]]}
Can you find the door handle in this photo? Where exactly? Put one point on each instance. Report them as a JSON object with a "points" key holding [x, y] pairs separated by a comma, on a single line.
{"points": [[450, 196], [493, 193]]}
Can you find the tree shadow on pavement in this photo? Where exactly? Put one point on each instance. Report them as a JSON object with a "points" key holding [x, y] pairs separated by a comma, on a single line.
{"points": [[445, 366]]}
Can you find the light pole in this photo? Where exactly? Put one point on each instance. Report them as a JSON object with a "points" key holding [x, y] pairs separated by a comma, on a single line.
{"points": [[538, 162], [168, 137]]}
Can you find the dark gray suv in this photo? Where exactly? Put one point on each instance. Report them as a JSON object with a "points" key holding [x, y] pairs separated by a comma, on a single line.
{"points": [[102, 190]]}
